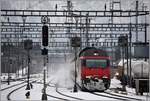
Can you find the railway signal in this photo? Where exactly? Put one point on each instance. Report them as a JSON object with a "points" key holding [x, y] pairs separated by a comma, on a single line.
{"points": [[45, 35], [44, 53], [75, 42], [28, 44], [123, 41]]}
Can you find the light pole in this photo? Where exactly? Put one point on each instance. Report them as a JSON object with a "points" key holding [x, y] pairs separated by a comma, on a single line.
{"points": [[75, 42], [87, 29], [8, 80], [44, 95], [21, 31], [122, 42], [123, 76], [28, 47], [44, 53], [130, 43], [47, 63], [10, 64], [22, 65], [28, 76], [75, 74]]}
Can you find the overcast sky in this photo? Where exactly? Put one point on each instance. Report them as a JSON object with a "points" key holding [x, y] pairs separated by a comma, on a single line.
{"points": [[77, 5]]}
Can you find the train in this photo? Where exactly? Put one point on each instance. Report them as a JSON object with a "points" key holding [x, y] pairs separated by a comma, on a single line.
{"points": [[139, 74], [93, 69], [139, 69]]}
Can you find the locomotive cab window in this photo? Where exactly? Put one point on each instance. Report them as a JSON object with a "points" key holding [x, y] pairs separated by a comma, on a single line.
{"points": [[83, 62], [96, 63]]}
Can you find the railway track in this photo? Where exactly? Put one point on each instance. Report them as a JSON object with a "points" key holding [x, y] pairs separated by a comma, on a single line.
{"points": [[130, 98], [12, 86], [75, 98], [108, 96], [9, 94], [111, 95], [100, 94], [56, 97], [5, 93], [68, 95], [115, 96], [19, 79], [60, 98]]}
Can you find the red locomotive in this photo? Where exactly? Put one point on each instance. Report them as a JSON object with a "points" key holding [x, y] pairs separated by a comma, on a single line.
{"points": [[94, 69]]}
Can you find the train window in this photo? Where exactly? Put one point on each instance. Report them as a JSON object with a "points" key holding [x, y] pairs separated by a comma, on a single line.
{"points": [[108, 62], [96, 63], [83, 62]]}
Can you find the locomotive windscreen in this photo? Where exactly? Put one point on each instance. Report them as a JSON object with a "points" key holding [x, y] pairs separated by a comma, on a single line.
{"points": [[91, 51], [96, 63]]}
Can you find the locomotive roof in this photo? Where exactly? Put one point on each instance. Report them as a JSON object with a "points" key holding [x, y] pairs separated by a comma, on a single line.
{"points": [[90, 51]]}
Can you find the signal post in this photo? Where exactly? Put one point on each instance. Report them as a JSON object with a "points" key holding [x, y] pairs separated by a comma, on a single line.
{"points": [[75, 42], [28, 47], [44, 20]]}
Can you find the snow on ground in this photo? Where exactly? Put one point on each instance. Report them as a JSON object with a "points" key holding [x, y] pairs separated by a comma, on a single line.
{"points": [[132, 93], [115, 83], [63, 80], [5, 92], [84, 95], [11, 84], [36, 92]]}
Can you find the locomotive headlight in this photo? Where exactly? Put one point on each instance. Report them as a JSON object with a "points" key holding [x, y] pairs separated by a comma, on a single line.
{"points": [[105, 77], [96, 54], [88, 77]]}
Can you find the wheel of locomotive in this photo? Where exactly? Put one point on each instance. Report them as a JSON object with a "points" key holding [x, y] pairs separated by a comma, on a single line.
{"points": [[82, 86], [107, 85]]}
